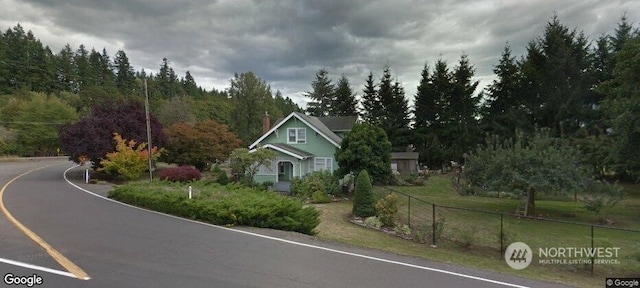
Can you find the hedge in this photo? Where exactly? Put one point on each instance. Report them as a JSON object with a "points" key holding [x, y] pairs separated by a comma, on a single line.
{"points": [[238, 206]]}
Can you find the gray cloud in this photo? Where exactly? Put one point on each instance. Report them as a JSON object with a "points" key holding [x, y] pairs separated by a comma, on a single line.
{"points": [[285, 42]]}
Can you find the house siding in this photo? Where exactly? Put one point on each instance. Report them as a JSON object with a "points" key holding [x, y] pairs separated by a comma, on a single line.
{"points": [[315, 144]]}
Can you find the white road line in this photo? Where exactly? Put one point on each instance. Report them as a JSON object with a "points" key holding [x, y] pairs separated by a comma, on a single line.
{"points": [[302, 244], [36, 267]]}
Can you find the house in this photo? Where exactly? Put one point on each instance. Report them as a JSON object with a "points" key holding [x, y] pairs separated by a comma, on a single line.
{"points": [[303, 143]]}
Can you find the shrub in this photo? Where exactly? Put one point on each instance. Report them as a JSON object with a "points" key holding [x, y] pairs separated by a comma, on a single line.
{"points": [[466, 237], [266, 185], [363, 201], [387, 209], [402, 230], [128, 161], [440, 220], [320, 197], [220, 175], [601, 194], [420, 233], [373, 222], [233, 205], [316, 181], [180, 174]]}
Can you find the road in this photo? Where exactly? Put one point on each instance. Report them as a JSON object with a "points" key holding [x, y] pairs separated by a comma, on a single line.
{"points": [[120, 246]]}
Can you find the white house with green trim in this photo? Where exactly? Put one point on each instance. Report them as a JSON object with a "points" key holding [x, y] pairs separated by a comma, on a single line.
{"points": [[303, 144]]}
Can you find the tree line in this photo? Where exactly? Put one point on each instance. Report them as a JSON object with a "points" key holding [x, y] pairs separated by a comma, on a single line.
{"points": [[585, 92], [41, 90]]}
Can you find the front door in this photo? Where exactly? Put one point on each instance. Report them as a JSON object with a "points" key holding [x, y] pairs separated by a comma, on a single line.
{"points": [[285, 171]]}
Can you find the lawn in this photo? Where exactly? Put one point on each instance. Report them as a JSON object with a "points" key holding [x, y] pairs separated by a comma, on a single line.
{"points": [[473, 238]]}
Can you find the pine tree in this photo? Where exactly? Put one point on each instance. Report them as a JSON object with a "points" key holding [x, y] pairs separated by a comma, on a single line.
{"points": [[345, 100], [125, 77], [463, 111], [372, 108], [83, 67], [322, 95], [190, 87], [65, 70], [395, 119], [502, 115]]}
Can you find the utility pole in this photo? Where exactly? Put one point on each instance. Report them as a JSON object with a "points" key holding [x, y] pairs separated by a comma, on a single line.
{"points": [[146, 109]]}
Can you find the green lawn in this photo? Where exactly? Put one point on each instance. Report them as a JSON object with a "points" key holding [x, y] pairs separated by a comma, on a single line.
{"points": [[473, 238]]}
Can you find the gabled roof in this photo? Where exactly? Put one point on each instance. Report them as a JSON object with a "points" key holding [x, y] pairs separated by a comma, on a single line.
{"points": [[312, 122], [339, 123], [289, 150]]}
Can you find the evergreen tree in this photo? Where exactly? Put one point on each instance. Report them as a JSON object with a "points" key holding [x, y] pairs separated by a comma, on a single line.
{"points": [[425, 117], [322, 95], [251, 98], [395, 114], [462, 127], [502, 116], [125, 76], [284, 105], [372, 108], [65, 70], [83, 67], [363, 200], [345, 100], [190, 87], [557, 82]]}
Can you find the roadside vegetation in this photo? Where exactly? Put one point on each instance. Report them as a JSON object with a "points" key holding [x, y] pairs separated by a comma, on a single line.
{"points": [[472, 238], [227, 205]]}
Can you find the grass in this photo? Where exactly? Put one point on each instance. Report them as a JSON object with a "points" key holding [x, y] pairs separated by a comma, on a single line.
{"points": [[473, 239]]}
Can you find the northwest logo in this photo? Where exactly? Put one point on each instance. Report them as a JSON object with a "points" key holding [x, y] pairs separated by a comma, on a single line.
{"points": [[518, 255]]}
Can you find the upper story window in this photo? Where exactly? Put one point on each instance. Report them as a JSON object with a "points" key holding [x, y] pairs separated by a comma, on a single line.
{"points": [[297, 136]]}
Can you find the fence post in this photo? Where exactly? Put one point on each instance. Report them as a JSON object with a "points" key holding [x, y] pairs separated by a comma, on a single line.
{"points": [[592, 250], [433, 224], [501, 235], [409, 213]]}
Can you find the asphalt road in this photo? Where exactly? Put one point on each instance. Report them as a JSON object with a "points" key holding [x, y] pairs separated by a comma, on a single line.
{"points": [[120, 246]]}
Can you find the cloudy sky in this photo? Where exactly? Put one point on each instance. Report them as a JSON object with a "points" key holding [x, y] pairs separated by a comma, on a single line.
{"points": [[285, 42]]}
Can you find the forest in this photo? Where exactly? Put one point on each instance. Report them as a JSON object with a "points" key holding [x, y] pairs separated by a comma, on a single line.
{"points": [[586, 92]]}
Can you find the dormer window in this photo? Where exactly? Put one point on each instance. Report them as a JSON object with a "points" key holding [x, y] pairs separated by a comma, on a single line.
{"points": [[297, 136]]}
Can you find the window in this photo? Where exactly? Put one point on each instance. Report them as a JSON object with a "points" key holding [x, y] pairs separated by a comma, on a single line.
{"points": [[322, 163], [297, 136]]}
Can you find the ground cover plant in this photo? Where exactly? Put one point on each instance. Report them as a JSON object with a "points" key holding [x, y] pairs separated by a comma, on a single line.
{"points": [[228, 205]]}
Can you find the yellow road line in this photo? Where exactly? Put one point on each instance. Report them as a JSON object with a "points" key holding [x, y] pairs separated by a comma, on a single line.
{"points": [[66, 263]]}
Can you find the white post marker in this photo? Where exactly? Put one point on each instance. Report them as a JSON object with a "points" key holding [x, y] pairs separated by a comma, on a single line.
{"points": [[86, 176], [190, 191]]}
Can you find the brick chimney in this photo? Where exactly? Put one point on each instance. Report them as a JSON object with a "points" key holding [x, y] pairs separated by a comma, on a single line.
{"points": [[266, 122]]}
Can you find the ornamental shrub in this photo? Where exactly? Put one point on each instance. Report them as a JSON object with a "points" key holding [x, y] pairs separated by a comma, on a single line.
{"points": [[363, 201], [180, 174], [387, 209]]}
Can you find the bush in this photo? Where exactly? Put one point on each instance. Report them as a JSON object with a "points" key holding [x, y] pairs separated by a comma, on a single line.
{"points": [[387, 209], [180, 174], [402, 230], [220, 175], [440, 220], [316, 181], [363, 201], [320, 197], [129, 160], [373, 222], [233, 205]]}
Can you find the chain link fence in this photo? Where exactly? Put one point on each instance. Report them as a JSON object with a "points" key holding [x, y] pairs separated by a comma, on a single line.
{"points": [[490, 233]]}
